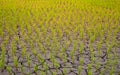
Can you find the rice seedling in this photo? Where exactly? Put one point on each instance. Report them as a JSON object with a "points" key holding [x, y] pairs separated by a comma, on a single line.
{"points": [[80, 66], [2, 58], [21, 69], [73, 51], [112, 71], [81, 48], [64, 71], [54, 73], [35, 68], [2, 64], [56, 65], [9, 70], [28, 60], [89, 69], [34, 52], [65, 58], [42, 73], [99, 47], [23, 52], [46, 67], [15, 59]]}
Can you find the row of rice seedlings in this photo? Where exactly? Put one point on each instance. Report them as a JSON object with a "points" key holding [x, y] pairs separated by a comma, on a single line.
{"points": [[110, 45], [92, 39], [112, 69], [3, 53], [3, 45]]}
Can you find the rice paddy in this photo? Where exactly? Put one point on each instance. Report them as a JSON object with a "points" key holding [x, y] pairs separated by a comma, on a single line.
{"points": [[59, 37]]}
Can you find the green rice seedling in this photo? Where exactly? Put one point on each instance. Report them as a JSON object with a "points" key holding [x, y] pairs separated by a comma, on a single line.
{"points": [[21, 69], [52, 57], [42, 48], [101, 34], [1, 31], [56, 64], [97, 65], [75, 45], [2, 57], [34, 52], [88, 33], [54, 73], [2, 64], [39, 58], [13, 51], [72, 55], [61, 55], [99, 47], [108, 37], [115, 59], [42, 61], [54, 61], [63, 49], [36, 68], [92, 39], [42, 73], [73, 58], [92, 53], [81, 32], [23, 52], [15, 60], [46, 66], [64, 71], [89, 69], [80, 66], [9, 69], [28, 59], [79, 69], [73, 51], [102, 72], [65, 58], [108, 64], [109, 48], [112, 71], [81, 48], [60, 33]]}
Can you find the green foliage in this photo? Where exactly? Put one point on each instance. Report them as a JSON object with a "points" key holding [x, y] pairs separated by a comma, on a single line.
{"points": [[59, 29]]}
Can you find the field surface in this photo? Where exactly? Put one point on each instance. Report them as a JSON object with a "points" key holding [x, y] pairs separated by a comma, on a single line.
{"points": [[59, 37]]}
